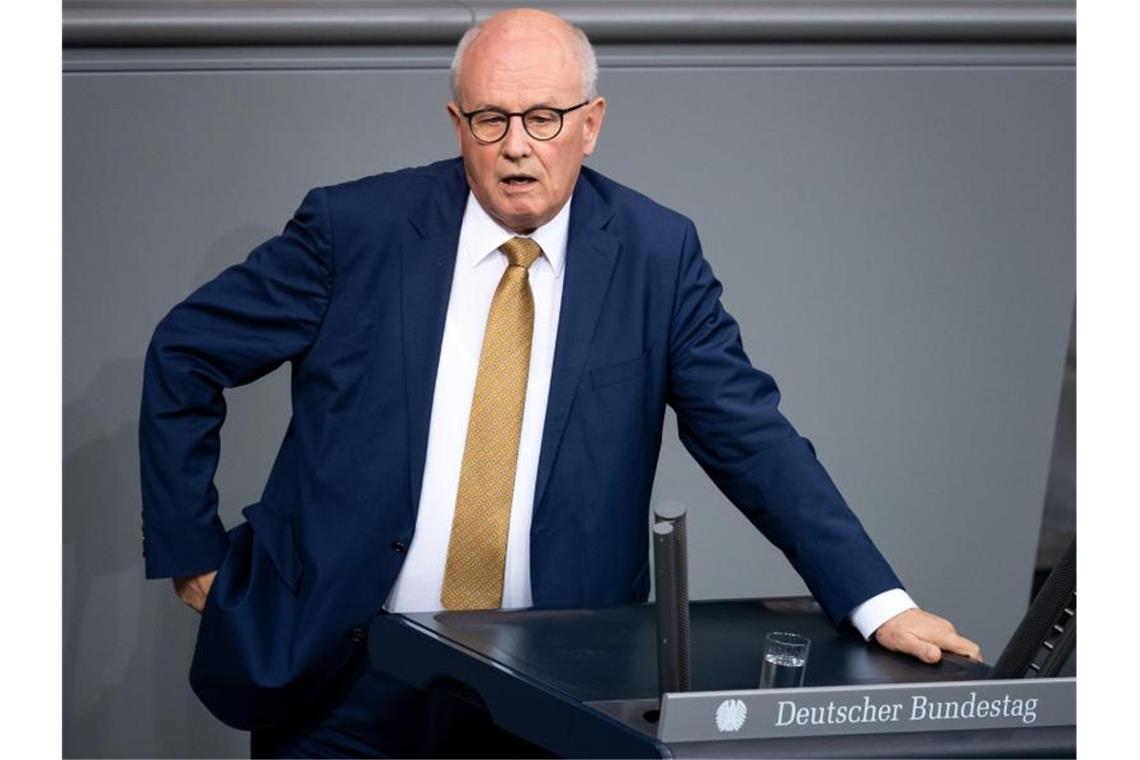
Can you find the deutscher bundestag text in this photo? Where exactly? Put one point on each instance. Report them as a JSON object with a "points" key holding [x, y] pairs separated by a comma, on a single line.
{"points": [[920, 708]]}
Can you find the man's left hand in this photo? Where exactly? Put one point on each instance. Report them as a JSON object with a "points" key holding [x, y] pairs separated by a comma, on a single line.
{"points": [[924, 636]]}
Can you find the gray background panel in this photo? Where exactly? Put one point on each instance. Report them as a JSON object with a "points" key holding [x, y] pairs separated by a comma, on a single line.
{"points": [[340, 22], [895, 240]]}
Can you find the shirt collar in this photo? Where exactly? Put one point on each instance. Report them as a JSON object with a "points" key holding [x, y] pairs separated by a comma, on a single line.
{"points": [[481, 235]]}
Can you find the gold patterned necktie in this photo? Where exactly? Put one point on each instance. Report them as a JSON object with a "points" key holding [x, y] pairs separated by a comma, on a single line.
{"points": [[477, 551]]}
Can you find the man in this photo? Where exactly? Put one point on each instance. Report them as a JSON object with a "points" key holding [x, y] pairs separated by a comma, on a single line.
{"points": [[481, 352]]}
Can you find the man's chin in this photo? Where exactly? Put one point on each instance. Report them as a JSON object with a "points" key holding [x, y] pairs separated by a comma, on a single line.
{"points": [[523, 222]]}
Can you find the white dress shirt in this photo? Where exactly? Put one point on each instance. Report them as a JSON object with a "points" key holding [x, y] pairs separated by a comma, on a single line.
{"points": [[479, 265]]}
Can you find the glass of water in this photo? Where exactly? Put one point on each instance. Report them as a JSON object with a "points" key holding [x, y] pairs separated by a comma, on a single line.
{"points": [[785, 660]]}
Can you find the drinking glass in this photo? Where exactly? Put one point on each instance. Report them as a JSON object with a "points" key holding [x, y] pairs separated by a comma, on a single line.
{"points": [[785, 660]]}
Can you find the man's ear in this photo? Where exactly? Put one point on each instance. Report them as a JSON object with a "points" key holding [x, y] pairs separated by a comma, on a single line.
{"points": [[592, 124], [456, 122]]}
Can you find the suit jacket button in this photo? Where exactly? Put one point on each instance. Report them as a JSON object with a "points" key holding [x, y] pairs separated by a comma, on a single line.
{"points": [[356, 635], [399, 547]]}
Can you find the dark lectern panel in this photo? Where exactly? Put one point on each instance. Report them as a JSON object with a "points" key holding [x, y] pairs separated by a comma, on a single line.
{"points": [[609, 653]]}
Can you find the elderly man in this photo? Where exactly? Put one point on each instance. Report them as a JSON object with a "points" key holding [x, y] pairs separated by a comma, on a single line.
{"points": [[482, 351]]}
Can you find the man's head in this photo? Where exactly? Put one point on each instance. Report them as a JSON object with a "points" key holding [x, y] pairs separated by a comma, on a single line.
{"points": [[512, 62]]}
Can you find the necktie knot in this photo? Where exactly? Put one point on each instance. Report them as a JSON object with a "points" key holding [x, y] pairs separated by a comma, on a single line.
{"points": [[521, 251]]}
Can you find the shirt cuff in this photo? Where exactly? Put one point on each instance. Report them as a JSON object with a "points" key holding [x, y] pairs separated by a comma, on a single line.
{"points": [[868, 616]]}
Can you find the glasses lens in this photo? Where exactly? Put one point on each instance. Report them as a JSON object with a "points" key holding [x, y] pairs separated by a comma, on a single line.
{"points": [[542, 123], [489, 125]]}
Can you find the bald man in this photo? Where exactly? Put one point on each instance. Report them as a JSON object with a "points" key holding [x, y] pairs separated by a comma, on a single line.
{"points": [[482, 352]]}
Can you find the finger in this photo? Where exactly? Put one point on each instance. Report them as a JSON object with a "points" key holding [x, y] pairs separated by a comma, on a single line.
{"points": [[188, 594], [965, 647], [907, 643], [950, 641]]}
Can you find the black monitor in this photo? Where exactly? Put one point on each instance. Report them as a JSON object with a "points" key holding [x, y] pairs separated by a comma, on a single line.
{"points": [[1047, 635]]}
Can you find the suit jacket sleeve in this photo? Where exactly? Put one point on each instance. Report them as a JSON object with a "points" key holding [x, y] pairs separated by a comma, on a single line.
{"points": [[728, 420], [234, 329]]}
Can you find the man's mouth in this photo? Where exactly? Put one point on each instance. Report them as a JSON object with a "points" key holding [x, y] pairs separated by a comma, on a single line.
{"points": [[518, 180]]}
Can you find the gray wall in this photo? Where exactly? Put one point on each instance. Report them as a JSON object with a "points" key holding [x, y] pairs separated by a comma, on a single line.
{"points": [[891, 212]]}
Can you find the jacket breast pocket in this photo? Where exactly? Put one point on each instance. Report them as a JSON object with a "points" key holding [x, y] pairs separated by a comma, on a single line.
{"points": [[621, 371]]}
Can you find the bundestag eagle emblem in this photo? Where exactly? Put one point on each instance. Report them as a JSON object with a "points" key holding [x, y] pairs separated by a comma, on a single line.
{"points": [[731, 714]]}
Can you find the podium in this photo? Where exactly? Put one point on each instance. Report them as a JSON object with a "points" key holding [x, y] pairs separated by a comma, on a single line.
{"points": [[583, 683]]}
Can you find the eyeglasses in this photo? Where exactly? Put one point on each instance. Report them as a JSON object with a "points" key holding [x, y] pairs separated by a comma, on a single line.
{"points": [[490, 125]]}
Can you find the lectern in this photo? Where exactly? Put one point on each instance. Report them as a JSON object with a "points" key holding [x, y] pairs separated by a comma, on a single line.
{"points": [[583, 683]]}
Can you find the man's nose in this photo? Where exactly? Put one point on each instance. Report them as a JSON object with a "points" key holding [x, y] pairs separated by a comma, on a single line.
{"points": [[516, 143]]}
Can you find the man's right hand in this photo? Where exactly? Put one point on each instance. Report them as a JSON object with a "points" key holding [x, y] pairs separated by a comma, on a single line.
{"points": [[193, 589]]}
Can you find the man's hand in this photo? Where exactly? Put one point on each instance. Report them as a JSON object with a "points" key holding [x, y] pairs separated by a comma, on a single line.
{"points": [[193, 589], [924, 636]]}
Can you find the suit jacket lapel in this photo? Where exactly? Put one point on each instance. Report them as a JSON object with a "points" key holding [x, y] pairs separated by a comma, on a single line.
{"points": [[429, 249], [591, 253]]}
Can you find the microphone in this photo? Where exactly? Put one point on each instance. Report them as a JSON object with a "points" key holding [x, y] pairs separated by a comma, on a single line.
{"points": [[671, 576]]}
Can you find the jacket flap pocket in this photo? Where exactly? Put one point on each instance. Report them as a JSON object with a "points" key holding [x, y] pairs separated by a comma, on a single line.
{"points": [[274, 530], [626, 369]]}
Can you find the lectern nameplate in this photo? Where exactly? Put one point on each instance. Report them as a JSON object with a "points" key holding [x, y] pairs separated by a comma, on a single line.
{"points": [[872, 709]]}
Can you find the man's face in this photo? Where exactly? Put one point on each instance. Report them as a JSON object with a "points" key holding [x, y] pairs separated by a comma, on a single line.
{"points": [[520, 181]]}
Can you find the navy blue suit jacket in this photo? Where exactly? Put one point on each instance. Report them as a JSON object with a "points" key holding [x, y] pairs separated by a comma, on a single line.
{"points": [[353, 294]]}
